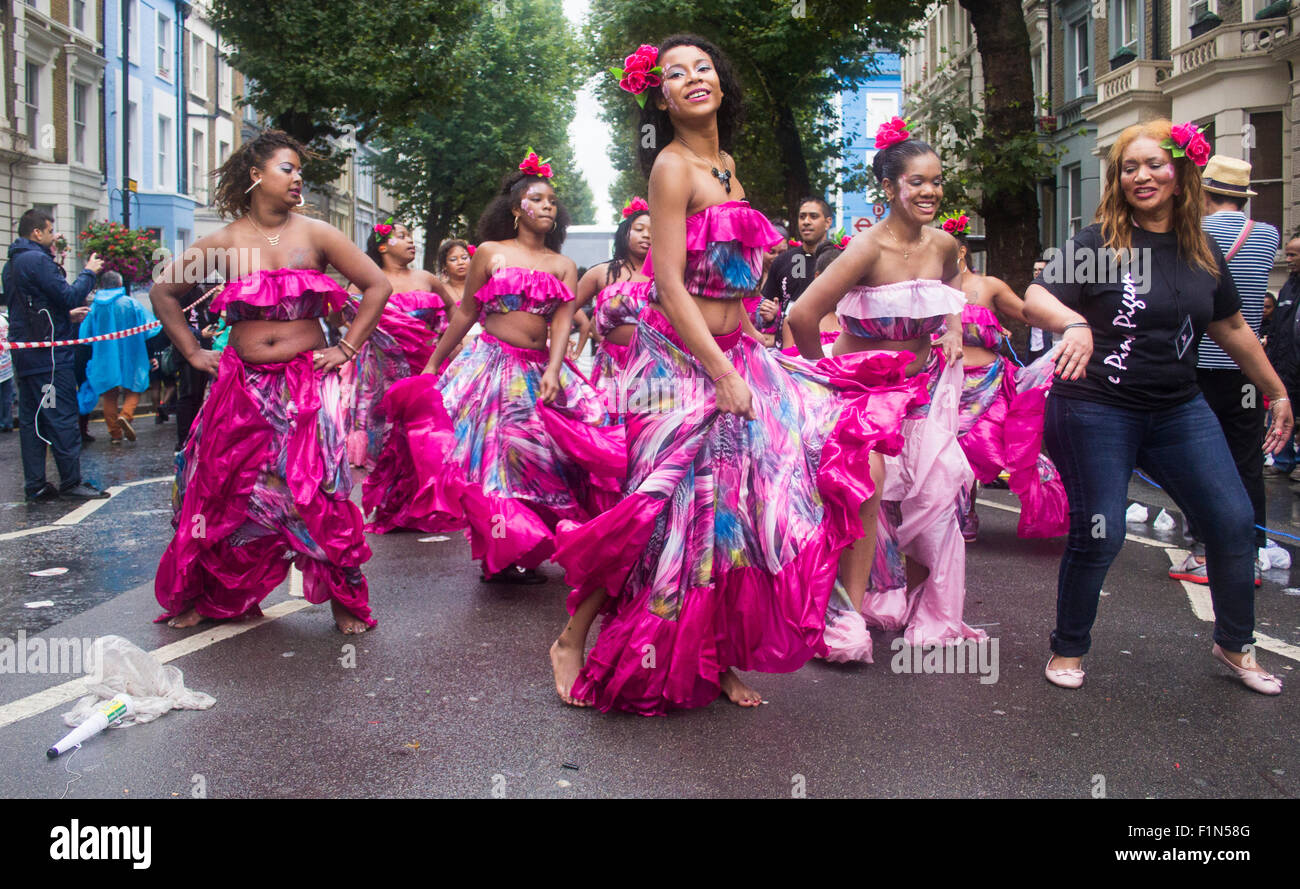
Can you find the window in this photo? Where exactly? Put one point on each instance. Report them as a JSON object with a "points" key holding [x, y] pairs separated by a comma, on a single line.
{"points": [[1074, 199], [136, 163], [223, 152], [135, 23], [1196, 9], [164, 150], [198, 169], [31, 103], [880, 108], [1266, 168], [365, 182], [198, 66], [365, 222], [164, 46], [1127, 16], [81, 215], [1082, 56], [80, 101], [79, 14]]}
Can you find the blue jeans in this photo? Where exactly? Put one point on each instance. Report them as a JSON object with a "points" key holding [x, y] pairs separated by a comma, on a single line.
{"points": [[7, 403], [57, 423], [1096, 447]]}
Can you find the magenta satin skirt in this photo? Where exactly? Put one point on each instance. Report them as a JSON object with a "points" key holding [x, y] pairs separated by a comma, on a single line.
{"points": [[475, 449], [263, 483], [724, 550]]}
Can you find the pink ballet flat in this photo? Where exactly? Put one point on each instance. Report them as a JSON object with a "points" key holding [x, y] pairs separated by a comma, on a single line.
{"points": [[1063, 678], [1264, 683]]}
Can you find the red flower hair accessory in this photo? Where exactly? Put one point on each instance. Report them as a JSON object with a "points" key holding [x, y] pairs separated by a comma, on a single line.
{"points": [[843, 242], [634, 206], [640, 72], [891, 132], [1188, 140], [956, 223], [536, 166], [383, 230], [795, 242], [470, 248]]}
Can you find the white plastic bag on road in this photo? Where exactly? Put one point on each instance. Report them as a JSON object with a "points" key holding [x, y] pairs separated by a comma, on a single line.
{"points": [[1278, 556], [1136, 512], [1164, 522], [120, 665]]}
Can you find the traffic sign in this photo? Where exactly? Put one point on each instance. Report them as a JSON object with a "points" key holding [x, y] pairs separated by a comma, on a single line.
{"points": [[861, 223], [878, 210]]}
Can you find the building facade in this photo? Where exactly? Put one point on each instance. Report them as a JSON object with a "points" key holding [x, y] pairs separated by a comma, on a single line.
{"points": [[51, 145], [861, 111]]}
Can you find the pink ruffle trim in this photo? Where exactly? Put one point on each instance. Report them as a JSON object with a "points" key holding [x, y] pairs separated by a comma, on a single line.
{"points": [[270, 287], [535, 286], [730, 221]]}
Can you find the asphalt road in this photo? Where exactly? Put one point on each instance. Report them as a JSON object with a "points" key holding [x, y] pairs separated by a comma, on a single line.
{"points": [[452, 694]]}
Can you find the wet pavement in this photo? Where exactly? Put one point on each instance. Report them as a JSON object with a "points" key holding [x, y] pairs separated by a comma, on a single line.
{"points": [[452, 694]]}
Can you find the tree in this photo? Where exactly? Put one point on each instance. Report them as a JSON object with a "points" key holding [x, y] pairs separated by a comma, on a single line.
{"points": [[1007, 152], [791, 60], [314, 66], [449, 162]]}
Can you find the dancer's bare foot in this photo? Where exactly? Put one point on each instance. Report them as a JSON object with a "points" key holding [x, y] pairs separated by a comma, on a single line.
{"points": [[188, 619], [566, 663], [737, 691], [347, 622]]}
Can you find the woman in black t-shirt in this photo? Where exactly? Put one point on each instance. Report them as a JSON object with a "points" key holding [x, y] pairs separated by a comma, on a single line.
{"points": [[1133, 294]]}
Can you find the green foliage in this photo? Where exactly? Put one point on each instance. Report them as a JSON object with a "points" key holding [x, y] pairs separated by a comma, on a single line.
{"points": [[312, 65], [128, 251], [448, 163], [791, 58]]}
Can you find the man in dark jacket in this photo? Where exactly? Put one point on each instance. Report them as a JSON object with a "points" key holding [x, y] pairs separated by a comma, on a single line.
{"points": [[792, 271], [42, 307], [1283, 347]]}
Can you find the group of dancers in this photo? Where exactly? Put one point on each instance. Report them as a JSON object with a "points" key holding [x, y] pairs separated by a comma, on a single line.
{"points": [[725, 506]]}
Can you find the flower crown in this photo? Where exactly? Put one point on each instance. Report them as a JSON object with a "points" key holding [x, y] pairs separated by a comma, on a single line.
{"points": [[640, 71], [634, 206], [382, 230], [891, 132], [536, 166], [1188, 140], [955, 223]]}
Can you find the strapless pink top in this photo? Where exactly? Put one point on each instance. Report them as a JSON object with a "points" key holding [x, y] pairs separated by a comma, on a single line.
{"points": [[280, 295], [906, 310], [980, 327], [620, 303], [521, 290], [725, 244]]}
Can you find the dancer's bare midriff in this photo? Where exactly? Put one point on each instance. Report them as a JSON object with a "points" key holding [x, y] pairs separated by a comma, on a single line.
{"points": [[523, 330], [721, 316], [272, 342], [621, 335], [977, 356], [847, 344]]}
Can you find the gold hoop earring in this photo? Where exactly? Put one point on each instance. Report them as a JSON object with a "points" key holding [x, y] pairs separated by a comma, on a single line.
{"points": [[256, 182]]}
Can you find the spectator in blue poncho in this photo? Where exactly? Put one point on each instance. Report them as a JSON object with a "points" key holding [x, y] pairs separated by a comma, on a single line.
{"points": [[118, 368]]}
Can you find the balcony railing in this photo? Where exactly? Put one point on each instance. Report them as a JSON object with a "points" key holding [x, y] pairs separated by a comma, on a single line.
{"points": [[1231, 41], [1138, 75]]}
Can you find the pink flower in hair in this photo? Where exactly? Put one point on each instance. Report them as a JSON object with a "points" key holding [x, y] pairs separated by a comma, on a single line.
{"points": [[634, 206], [891, 132], [1199, 151], [470, 248]]}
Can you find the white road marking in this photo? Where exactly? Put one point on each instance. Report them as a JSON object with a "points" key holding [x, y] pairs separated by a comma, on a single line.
{"points": [[1128, 535], [27, 532], [1203, 607], [295, 582], [81, 512], [75, 688]]}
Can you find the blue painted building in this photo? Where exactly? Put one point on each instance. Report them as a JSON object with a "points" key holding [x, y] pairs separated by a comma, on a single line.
{"points": [[862, 110], [156, 114]]}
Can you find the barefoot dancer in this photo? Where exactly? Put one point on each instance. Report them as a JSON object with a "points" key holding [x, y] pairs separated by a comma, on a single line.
{"points": [[495, 458], [623, 292], [721, 555], [888, 289], [416, 315], [1000, 415], [264, 474]]}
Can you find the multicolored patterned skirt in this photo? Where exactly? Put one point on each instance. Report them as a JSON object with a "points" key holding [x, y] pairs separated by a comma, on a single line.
{"points": [[496, 462], [1001, 427], [724, 550], [263, 483], [606, 371]]}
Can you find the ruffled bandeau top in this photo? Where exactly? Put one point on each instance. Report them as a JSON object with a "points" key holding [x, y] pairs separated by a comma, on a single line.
{"points": [[521, 290], [980, 327], [906, 310], [620, 303], [414, 302], [725, 244], [280, 295]]}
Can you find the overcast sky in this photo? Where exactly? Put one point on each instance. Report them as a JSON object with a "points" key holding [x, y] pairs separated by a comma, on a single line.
{"points": [[588, 134]]}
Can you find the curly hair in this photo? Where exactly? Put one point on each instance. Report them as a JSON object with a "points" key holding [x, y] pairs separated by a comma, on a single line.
{"points": [[622, 253], [373, 242], [730, 113], [232, 197], [444, 250], [497, 222]]}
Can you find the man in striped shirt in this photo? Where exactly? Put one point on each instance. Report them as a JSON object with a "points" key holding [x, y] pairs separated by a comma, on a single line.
{"points": [[1250, 248]]}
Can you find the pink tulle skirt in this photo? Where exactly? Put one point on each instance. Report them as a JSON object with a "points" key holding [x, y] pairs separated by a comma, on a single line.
{"points": [[917, 519], [494, 461], [261, 484], [725, 549]]}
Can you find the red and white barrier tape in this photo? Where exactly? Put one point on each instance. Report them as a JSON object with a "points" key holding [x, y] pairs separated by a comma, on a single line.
{"points": [[118, 335]]}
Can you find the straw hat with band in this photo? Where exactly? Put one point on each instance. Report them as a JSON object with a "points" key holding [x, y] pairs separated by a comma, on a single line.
{"points": [[1227, 176]]}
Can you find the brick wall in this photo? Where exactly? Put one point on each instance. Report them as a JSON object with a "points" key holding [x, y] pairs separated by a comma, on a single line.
{"points": [[59, 11], [1230, 10], [1057, 38], [61, 106]]}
